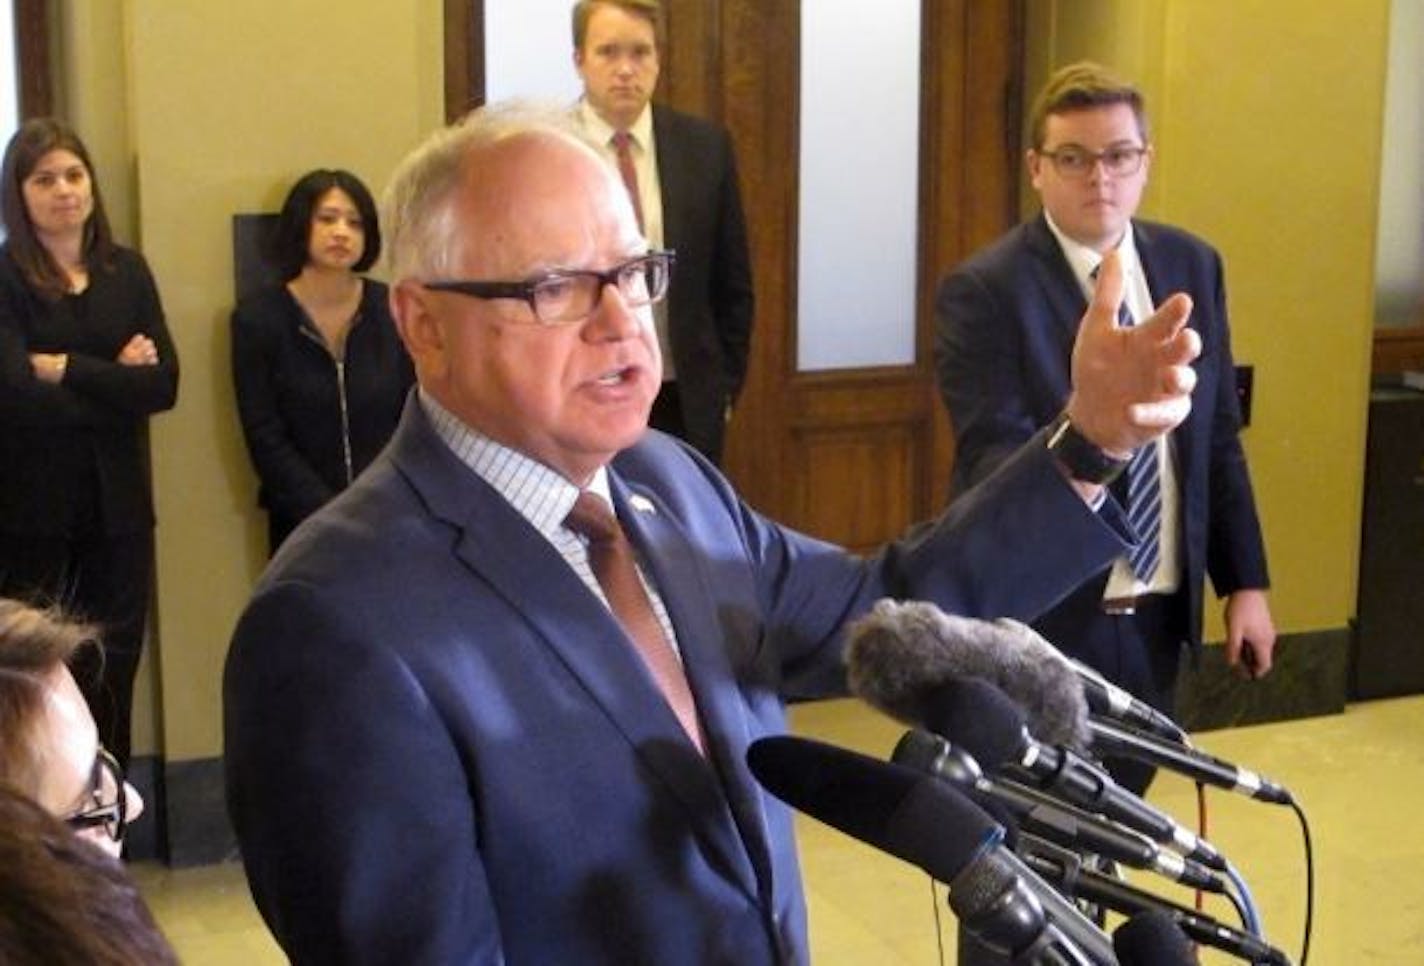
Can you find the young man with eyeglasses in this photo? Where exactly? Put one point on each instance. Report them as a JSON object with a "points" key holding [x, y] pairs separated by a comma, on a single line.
{"points": [[492, 704], [1005, 325]]}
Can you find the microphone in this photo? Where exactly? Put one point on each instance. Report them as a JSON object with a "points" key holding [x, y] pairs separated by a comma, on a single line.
{"points": [[984, 722], [1109, 738], [1038, 814], [900, 652], [1107, 699], [921, 820], [1153, 938], [1120, 897]]}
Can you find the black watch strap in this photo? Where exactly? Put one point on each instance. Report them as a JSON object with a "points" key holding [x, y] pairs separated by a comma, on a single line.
{"points": [[1084, 460]]}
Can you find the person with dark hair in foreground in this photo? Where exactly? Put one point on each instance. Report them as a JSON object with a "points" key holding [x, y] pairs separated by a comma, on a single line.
{"points": [[319, 372], [494, 706], [64, 901], [85, 359]]}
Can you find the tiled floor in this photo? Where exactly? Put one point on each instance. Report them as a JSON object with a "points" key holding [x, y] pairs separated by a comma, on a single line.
{"points": [[1359, 777]]}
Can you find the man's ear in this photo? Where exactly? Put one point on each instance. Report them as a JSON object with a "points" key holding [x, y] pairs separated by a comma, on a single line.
{"points": [[418, 324], [1033, 161]]}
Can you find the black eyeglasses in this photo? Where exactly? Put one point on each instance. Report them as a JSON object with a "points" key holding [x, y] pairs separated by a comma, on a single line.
{"points": [[565, 296], [100, 812], [1073, 161]]}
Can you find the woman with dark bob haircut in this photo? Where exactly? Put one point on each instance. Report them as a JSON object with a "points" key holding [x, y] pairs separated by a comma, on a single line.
{"points": [[85, 359], [319, 369]]}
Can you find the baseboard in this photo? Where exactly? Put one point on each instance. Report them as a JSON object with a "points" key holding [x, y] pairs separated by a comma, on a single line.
{"points": [[185, 815], [1308, 677], [142, 842]]}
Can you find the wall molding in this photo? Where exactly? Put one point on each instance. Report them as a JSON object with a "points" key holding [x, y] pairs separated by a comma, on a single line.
{"points": [[1308, 678]]}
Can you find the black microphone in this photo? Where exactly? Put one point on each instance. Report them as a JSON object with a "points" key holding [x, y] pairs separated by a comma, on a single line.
{"points": [[1120, 897], [1153, 939], [1041, 815], [922, 820], [982, 720], [1113, 739], [1107, 699]]}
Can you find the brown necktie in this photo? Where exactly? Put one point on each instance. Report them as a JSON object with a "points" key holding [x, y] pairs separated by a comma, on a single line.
{"points": [[611, 557], [623, 144]]}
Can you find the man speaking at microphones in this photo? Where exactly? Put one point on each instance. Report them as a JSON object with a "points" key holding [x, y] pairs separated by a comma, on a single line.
{"points": [[493, 703]]}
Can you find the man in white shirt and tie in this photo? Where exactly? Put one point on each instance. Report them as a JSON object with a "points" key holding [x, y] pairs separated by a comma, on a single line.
{"points": [[682, 173], [1006, 320]]}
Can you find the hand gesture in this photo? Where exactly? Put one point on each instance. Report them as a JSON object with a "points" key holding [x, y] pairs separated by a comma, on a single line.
{"points": [[1131, 384]]}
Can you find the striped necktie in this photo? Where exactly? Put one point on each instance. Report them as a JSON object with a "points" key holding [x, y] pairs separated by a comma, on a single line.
{"points": [[1144, 494]]}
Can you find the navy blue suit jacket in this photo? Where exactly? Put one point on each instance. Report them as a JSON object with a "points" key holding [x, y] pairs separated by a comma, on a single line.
{"points": [[1006, 321], [440, 747]]}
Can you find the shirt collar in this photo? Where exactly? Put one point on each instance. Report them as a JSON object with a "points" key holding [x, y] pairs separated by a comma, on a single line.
{"points": [[1085, 261], [602, 132], [538, 492]]}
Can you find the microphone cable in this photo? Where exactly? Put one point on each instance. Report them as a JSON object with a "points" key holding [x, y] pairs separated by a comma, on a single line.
{"points": [[1254, 925], [938, 922], [1309, 883]]}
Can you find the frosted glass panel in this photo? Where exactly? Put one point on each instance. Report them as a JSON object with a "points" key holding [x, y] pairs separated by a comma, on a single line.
{"points": [[9, 101], [529, 50], [860, 137]]}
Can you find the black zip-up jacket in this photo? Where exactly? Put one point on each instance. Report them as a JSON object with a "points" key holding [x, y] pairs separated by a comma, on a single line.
{"points": [[314, 422]]}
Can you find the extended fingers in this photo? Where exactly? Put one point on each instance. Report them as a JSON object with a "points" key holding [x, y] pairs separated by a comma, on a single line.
{"points": [[1107, 292], [1160, 414]]}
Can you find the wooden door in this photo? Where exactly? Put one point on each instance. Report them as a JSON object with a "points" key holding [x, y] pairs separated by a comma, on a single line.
{"points": [[850, 455]]}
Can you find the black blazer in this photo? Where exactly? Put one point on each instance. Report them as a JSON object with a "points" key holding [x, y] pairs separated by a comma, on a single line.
{"points": [[1005, 324], [710, 302], [80, 447]]}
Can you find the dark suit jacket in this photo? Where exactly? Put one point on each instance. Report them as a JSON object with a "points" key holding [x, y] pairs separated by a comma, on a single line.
{"points": [[710, 300], [440, 747], [1006, 321]]}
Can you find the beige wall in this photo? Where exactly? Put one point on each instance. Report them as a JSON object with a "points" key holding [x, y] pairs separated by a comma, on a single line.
{"points": [[198, 111], [1267, 124]]}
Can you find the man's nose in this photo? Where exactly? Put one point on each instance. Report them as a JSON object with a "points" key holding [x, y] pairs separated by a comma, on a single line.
{"points": [[612, 317]]}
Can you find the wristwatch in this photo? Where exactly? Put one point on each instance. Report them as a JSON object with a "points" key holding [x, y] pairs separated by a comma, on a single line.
{"points": [[1084, 460]]}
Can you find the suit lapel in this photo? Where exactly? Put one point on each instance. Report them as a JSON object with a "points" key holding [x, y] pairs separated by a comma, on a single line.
{"points": [[578, 628], [677, 569], [1164, 276], [1055, 279]]}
